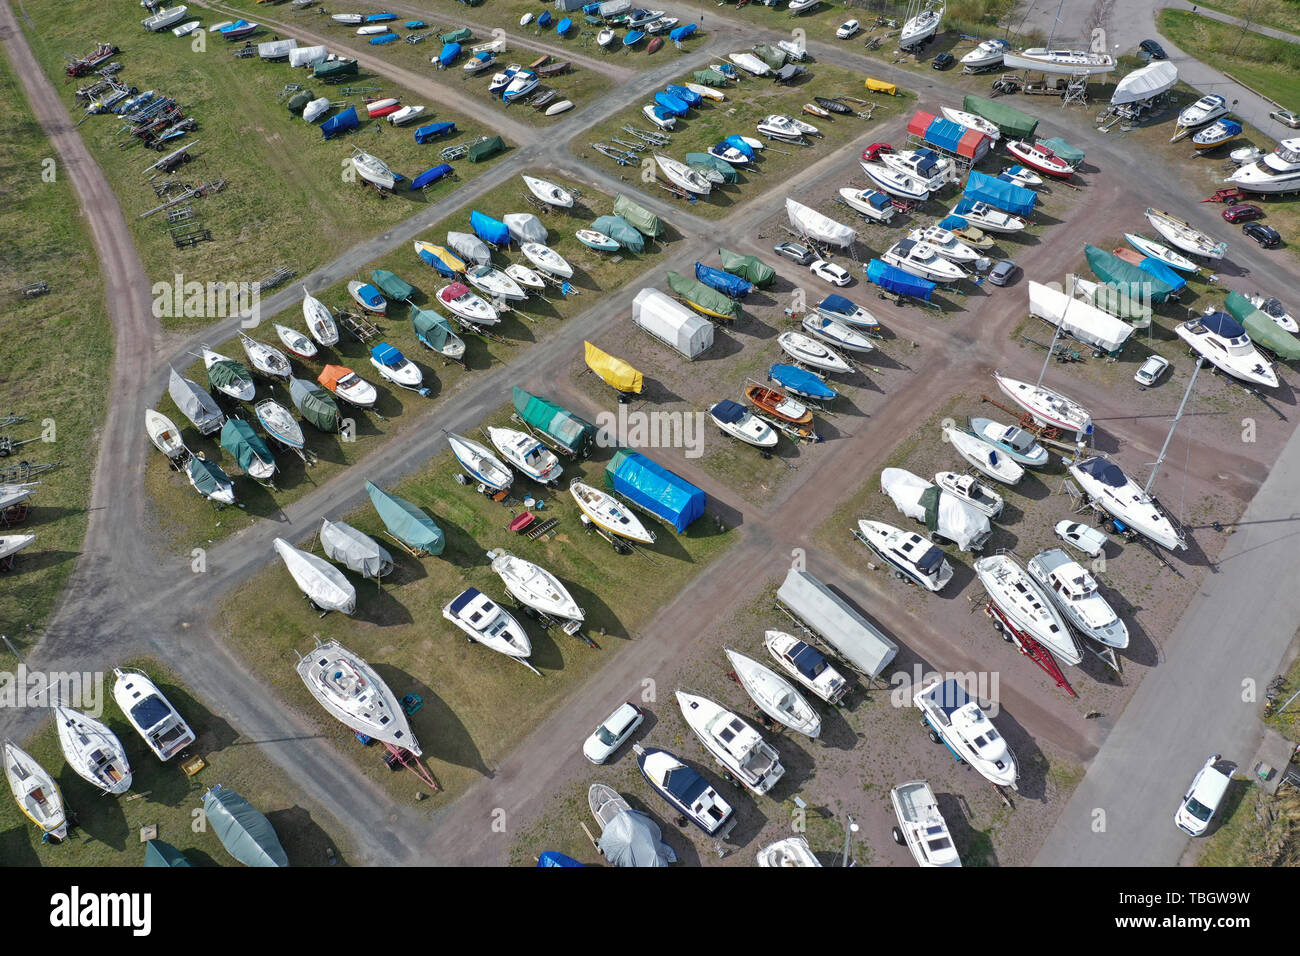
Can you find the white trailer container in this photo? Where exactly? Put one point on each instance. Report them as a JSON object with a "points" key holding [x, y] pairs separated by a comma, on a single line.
{"points": [[1077, 318], [672, 323]]}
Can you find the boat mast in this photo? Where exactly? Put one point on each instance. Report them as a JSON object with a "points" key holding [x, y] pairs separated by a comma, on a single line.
{"points": [[1055, 23], [1155, 465], [1059, 328]]}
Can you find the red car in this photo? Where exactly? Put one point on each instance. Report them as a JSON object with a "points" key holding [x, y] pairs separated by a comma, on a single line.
{"points": [[875, 149], [1244, 212]]}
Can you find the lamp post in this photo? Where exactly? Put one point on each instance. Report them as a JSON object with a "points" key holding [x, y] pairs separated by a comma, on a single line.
{"points": [[849, 829]]}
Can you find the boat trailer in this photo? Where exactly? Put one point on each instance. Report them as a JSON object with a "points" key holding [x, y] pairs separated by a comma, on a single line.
{"points": [[1035, 651], [1048, 434]]}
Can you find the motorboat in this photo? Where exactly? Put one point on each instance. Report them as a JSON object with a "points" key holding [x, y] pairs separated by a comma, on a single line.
{"points": [[1205, 110], [266, 359], [500, 81], [750, 63], [895, 183], [92, 750], [547, 259], [638, 19], [549, 193], [536, 587], [1114, 492], [778, 405], [323, 584], [1081, 536], [460, 301], [659, 116], [1068, 62], [958, 721], [296, 342], [38, 796], [373, 170], [988, 459], [921, 27], [354, 693], [987, 53], [348, 19], [972, 491], [923, 165], [1020, 176], [395, 367], [921, 825], [733, 742], [1048, 407], [844, 310], [1216, 134], [315, 109], [527, 279], [1041, 158], [1277, 172], [835, 332], [151, 713], [1184, 236], [922, 259], [984, 216], [738, 422], [971, 120], [348, 385], [608, 513], [779, 126], [682, 175], [1075, 593], [1015, 441], [660, 25], [368, 297], [686, 790], [872, 203], [792, 851], [1220, 339], [495, 283], [1244, 155], [944, 243], [1275, 310], [1026, 606], [802, 382], [209, 480], [526, 453], [162, 431], [521, 84], [809, 351], [807, 665], [726, 71], [799, 6], [605, 37], [775, 695], [1149, 247], [164, 19], [479, 463], [487, 623], [913, 557], [480, 61], [728, 154], [407, 114]]}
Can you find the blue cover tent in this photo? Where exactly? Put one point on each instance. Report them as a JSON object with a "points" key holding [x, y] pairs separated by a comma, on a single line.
{"points": [[448, 54], [433, 131], [384, 38], [1162, 272], [898, 281], [724, 282], [802, 382], [489, 229], [681, 33], [340, 124], [1008, 197], [954, 222], [1221, 323], [430, 176], [654, 488], [555, 857], [736, 141], [671, 103], [689, 97]]}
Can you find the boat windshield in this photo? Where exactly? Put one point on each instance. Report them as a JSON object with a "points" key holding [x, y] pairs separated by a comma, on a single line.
{"points": [[150, 712]]}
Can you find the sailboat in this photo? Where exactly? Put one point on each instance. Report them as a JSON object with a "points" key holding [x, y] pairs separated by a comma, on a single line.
{"points": [[549, 193], [683, 176], [536, 587], [479, 463], [92, 750], [320, 321], [295, 341], [228, 376], [775, 695], [605, 511], [1184, 236], [352, 692], [164, 434], [1026, 606], [38, 796], [325, 585], [921, 27], [266, 359]]}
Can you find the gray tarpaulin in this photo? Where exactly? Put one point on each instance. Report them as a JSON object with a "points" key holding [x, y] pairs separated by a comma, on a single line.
{"points": [[817, 606]]}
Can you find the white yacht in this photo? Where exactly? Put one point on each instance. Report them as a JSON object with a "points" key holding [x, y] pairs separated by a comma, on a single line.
{"points": [[1025, 605], [987, 53], [1047, 407], [806, 664], [894, 182], [972, 491], [534, 586], [922, 826], [1277, 172], [487, 623], [945, 243], [922, 259], [151, 714], [957, 720], [1069, 62], [1076, 595], [972, 121], [983, 216], [526, 453], [1122, 498], [735, 744], [1224, 343], [686, 790], [355, 694], [921, 27], [924, 165], [913, 557], [92, 750]]}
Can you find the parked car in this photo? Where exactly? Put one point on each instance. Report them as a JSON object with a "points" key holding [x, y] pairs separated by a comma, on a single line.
{"points": [[1084, 537], [875, 149], [943, 61], [1151, 370], [1003, 271], [847, 29], [1203, 797], [792, 250], [1243, 212], [830, 272], [613, 733], [1286, 118], [1266, 236], [1153, 49]]}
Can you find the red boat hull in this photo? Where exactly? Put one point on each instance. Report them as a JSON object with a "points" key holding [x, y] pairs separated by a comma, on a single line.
{"points": [[1057, 167]]}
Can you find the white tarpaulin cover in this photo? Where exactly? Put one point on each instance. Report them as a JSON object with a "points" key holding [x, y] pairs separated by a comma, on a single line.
{"points": [[196, 404], [318, 579], [1085, 322], [525, 227], [307, 55], [277, 49], [470, 248], [633, 839], [353, 549], [961, 523], [813, 224], [817, 606], [671, 322], [612, 8], [1149, 81]]}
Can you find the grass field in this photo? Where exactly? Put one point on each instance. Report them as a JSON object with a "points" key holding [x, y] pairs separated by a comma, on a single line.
{"points": [[745, 105], [1270, 67], [287, 203], [57, 353], [477, 704], [186, 519], [1278, 14], [108, 828]]}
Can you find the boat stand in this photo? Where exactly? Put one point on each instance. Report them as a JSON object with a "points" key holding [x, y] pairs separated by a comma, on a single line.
{"points": [[1035, 651], [468, 326], [573, 628], [409, 761]]}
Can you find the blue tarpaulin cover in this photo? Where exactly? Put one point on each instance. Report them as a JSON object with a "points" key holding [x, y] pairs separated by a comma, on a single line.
{"points": [[430, 176], [729, 411], [1162, 272], [736, 141], [681, 33], [671, 103], [340, 124], [801, 382], [1005, 196], [655, 488], [384, 38], [954, 222], [448, 54], [689, 97], [488, 229], [724, 282], [1221, 323], [555, 857], [898, 281], [433, 131]]}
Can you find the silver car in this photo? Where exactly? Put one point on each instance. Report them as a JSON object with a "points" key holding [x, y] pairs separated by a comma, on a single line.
{"points": [[1003, 271], [613, 733]]}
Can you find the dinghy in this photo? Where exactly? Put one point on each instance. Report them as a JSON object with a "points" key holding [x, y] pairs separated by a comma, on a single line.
{"points": [[536, 587], [320, 321], [733, 742], [152, 715], [526, 19], [984, 456], [1149, 247], [266, 359], [922, 826], [295, 341], [38, 796], [325, 585], [686, 791], [354, 693], [395, 367], [1019, 597], [162, 431], [561, 107], [495, 283], [682, 175], [549, 193], [460, 301], [809, 351], [972, 491], [738, 422], [368, 297], [605, 37], [185, 29], [605, 511], [479, 463], [526, 453], [835, 332], [775, 695], [632, 38], [594, 239], [487, 623], [93, 751], [348, 385], [280, 424]]}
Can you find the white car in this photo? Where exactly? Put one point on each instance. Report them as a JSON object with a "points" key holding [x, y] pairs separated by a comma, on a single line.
{"points": [[1151, 371], [613, 733], [1084, 537], [1203, 797], [847, 29], [830, 272]]}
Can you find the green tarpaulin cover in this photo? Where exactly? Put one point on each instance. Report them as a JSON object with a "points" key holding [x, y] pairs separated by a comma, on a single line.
{"points": [[333, 69], [244, 444], [405, 522], [770, 55], [207, 475], [314, 404], [565, 428], [1261, 328], [748, 267], [158, 853], [434, 327], [242, 829], [390, 285], [486, 149], [701, 297], [227, 374], [1008, 119], [457, 36], [705, 161], [639, 216], [1130, 279], [709, 78], [1061, 148], [621, 231]]}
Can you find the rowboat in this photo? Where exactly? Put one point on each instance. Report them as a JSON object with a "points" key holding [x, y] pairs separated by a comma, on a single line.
{"points": [[605, 37], [561, 107], [368, 297], [320, 321], [38, 796], [460, 301], [347, 19], [480, 463], [185, 29], [265, 358], [295, 341], [605, 511]]}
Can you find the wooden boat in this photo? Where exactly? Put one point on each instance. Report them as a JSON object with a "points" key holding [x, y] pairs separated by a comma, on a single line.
{"points": [[266, 359], [605, 511], [164, 434], [38, 796], [814, 110], [654, 44], [778, 405], [775, 695], [295, 341]]}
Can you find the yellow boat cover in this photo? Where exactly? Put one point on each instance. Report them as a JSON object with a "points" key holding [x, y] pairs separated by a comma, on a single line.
{"points": [[614, 371], [880, 86]]}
